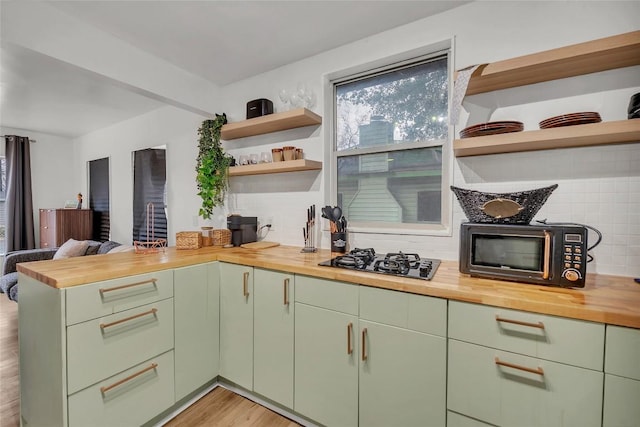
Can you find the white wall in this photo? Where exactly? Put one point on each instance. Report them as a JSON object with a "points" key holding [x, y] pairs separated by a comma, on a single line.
{"points": [[52, 171], [598, 185]]}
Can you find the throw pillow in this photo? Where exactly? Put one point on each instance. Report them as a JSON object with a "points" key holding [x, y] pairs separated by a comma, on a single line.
{"points": [[122, 248], [93, 247], [107, 246], [71, 248]]}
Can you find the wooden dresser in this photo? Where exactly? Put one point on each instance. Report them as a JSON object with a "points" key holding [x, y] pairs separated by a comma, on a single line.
{"points": [[59, 225]]}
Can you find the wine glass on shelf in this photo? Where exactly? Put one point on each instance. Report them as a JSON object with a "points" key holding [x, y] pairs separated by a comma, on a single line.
{"points": [[285, 98]]}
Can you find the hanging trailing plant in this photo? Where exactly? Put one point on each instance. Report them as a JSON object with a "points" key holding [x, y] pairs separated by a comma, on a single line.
{"points": [[212, 166]]}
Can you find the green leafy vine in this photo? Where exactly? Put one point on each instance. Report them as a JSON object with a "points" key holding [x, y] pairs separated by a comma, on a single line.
{"points": [[212, 166]]}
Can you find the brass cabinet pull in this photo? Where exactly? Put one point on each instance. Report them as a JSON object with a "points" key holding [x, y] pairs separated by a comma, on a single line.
{"points": [[103, 390], [547, 255], [364, 344], [286, 291], [538, 325], [116, 288], [245, 284], [538, 371], [126, 319], [349, 332]]}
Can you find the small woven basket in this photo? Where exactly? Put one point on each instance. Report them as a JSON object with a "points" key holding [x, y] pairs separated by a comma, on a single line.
{"points": [[531, 201], [220, 237], [189, 240]]}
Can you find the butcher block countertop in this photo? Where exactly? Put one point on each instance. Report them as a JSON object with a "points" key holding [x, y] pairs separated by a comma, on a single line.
{"points": [[606, 299]]}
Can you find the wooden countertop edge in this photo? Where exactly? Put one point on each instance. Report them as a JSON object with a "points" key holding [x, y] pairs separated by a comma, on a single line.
{"points": [[605, 299]]}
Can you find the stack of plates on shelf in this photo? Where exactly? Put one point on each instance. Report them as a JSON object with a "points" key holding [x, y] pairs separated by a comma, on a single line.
{"points": [[570, 120], [491, 128]]}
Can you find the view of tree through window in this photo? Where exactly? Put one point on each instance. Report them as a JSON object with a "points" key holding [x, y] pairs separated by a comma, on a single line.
{"points": [[390, 129]]}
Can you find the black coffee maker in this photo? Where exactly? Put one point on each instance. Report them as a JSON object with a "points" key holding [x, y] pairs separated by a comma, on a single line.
{"points": [[244, 229]]}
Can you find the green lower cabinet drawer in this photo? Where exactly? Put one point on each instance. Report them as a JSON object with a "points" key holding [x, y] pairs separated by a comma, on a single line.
{"points": [[570, 341], [127, 399], [404, 310], [329, 294], [621, 402], [111, 296], [102, 347], [508, 389]]}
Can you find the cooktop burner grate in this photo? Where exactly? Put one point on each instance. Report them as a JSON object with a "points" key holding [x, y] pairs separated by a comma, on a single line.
{"points": [[396, 263]]}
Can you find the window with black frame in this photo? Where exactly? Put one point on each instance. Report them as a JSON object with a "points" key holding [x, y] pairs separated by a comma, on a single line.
{"points": [[149, 195], [391, 127], [99, 198]]}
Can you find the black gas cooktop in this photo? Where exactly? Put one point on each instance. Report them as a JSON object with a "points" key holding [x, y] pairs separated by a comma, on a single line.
{"points": [[395, 264]]}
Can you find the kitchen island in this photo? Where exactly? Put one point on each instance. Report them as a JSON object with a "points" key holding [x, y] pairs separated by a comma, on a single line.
{"points": [[589, 334]]}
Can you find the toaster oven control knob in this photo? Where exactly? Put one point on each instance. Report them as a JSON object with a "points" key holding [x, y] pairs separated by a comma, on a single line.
{"points": [[571, 275]]}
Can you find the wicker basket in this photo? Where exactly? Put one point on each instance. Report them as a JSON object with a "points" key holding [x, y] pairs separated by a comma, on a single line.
{"points": [[531, 201], [220, 237], [189, 240]]}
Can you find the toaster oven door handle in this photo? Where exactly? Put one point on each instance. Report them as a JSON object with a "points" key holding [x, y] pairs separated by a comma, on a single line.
{"points": [[547, 255]]}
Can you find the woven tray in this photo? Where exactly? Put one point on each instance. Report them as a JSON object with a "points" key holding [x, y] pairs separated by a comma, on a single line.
{"points": [[189, 240], [530, 201]]}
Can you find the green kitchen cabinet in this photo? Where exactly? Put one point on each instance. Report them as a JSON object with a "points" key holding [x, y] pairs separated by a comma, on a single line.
{"points": [[236, 324], [403, 359], [509, 389], [510, 367], [622, 377], [197, 326], [326, 353], [273, 313]]}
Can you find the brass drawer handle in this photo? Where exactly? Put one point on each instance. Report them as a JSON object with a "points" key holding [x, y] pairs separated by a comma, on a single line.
{"points": [[286, 291], [104, 326], [538, 371], [116, 288], [538, 325], [103, 390], [349, 332], [364, 345], [245, 283]]}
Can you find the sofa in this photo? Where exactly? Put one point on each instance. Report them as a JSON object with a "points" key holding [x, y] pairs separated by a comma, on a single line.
{"points": [[71, 248]]}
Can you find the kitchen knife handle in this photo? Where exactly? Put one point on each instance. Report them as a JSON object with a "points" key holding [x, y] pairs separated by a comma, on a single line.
{"points": [[349, 332]]}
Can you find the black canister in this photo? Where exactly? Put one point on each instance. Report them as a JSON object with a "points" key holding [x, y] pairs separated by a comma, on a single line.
{"points": [[339, 242]]}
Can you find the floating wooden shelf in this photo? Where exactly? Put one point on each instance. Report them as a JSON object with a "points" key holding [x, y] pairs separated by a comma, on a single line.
{"points": [[270, 123], [615, 132], [275, 167], [584, 58]]}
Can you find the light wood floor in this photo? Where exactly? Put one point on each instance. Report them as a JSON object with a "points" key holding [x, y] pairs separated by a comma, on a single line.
{"points": [[219, 408]]}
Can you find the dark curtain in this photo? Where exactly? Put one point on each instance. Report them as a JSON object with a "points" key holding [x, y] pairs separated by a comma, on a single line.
{"points": [[20, 232], [99, 198], [149, 182]]}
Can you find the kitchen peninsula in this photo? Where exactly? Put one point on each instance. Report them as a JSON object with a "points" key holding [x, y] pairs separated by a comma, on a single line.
{"points": [[108, 327]]}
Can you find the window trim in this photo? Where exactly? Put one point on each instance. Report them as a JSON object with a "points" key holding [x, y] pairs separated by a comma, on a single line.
{"points": [[370, 69]]}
